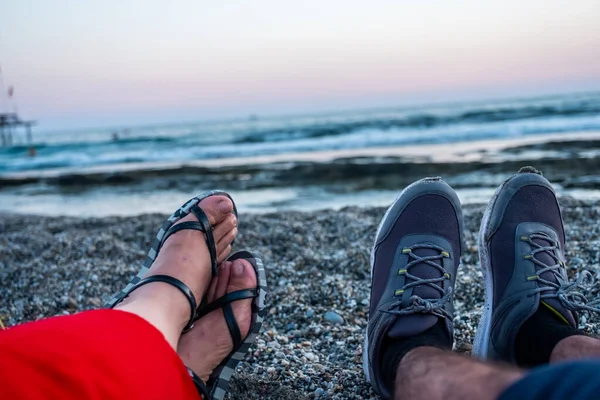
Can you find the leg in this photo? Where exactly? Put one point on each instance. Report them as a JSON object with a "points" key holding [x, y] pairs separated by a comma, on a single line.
{"points": [[576, 347], [127, 352], [430, 373]]}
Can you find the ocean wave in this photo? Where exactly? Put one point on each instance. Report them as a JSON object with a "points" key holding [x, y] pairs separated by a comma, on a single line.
{"points": [[258, 137], [579, 108]]}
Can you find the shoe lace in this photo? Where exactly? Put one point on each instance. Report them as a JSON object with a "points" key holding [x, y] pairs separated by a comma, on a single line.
{"points": [[417, 304], [569, 293]]}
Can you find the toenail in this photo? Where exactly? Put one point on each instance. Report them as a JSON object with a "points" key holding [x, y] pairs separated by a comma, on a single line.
{"points": [[223, 206], [238, 268]]}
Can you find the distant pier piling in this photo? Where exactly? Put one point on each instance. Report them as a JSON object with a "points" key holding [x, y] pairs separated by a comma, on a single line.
{"points": [[11, 126]]}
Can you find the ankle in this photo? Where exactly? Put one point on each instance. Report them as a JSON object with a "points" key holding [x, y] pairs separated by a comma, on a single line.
{"points": [[539, 336], [162, 305], [434, 338]]}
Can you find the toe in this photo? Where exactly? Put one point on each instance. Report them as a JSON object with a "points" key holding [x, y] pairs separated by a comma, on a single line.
{"points": [[226, 239], [224, 254], [222, 230], [224, 272], [242, 275], [211, 294], [216, 208]]}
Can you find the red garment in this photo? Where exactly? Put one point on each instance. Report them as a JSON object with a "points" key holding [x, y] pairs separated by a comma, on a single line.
{"points": [[103, 354]]}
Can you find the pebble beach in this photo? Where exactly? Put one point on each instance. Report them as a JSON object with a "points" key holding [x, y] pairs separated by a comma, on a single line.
{"points": [[318, 272]]}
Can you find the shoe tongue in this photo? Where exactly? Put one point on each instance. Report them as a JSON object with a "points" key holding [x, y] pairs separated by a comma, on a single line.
{"points": [[553, 303], [409, 325]]}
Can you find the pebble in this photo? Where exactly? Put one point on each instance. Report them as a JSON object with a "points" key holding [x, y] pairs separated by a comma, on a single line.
{"points": [[71, 303], [576, 261], [334, 317], [96, 302]]}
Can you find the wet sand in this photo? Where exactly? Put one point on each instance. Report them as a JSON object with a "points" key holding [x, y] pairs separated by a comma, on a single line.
{"points": [[570, 151]]}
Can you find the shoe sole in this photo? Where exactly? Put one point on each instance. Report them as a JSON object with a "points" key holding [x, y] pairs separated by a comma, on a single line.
{"points": [[482, 336], [396, 208]]}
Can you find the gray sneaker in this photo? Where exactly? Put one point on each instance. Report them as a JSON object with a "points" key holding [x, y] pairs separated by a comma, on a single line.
{"points": [[521, 248], [414, 261]]}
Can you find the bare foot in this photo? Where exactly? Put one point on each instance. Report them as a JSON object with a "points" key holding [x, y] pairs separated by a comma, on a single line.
{"points": [[184, 256], [208, 343]]}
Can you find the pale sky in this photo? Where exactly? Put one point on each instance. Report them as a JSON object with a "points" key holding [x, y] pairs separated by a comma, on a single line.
{"points": [[78, 63]]}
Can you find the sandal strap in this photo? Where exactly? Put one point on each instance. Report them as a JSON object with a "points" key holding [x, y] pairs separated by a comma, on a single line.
{"points": [[193, 225], [210, 240], [228, 298], [224, 302], [183, 288], [232, 325], [202, 225], [200, 386]]}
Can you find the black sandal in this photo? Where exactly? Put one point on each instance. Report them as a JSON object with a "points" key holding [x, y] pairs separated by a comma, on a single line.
{"points": [[167, 229], [218, 383]]}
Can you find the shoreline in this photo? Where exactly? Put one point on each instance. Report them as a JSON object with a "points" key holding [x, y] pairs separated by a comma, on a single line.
{"points": [[330, 181], [455, 152], [316, 262]]}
